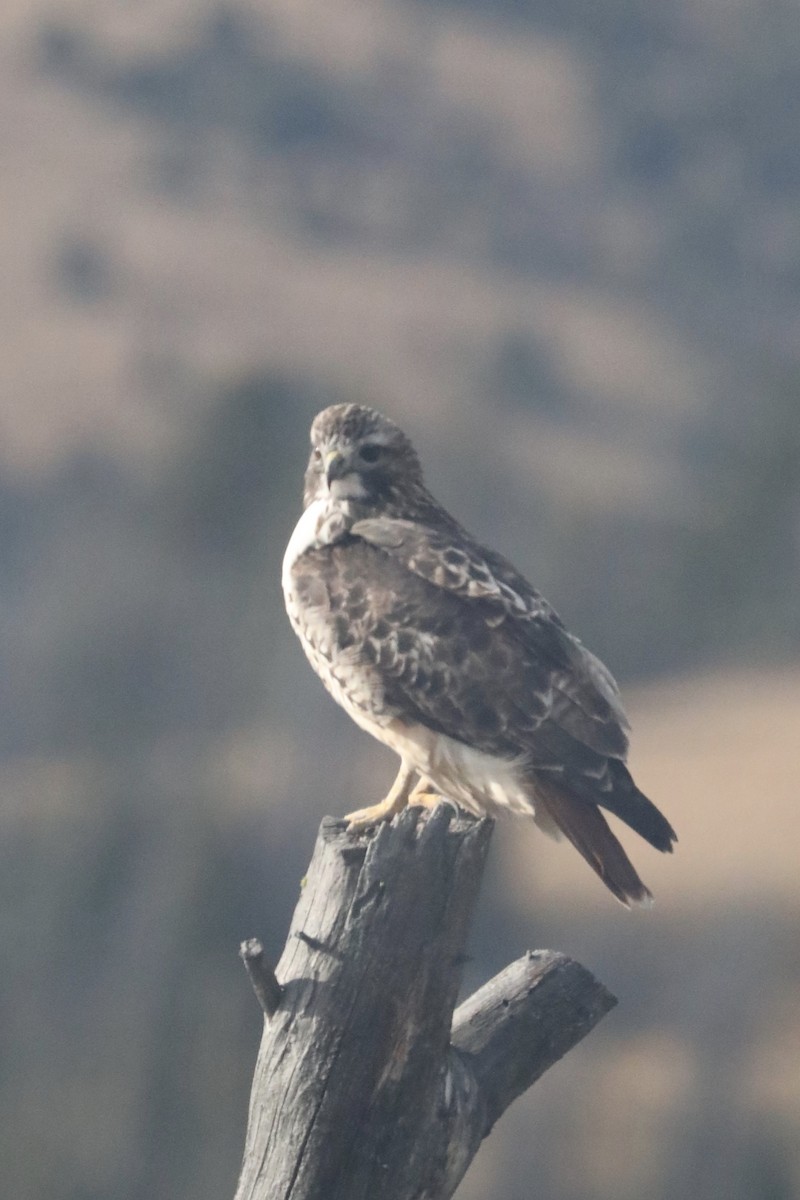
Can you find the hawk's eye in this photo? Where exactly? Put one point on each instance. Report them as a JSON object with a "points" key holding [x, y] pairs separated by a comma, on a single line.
{"points": [[371, 452], [316, 454]]}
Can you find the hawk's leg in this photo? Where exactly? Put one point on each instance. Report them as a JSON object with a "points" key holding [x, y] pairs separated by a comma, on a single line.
{"points": [[425, 795], [396, 799]]}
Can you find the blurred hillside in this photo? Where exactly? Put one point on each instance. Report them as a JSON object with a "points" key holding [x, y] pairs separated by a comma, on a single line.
{"points": [[560, 243]]}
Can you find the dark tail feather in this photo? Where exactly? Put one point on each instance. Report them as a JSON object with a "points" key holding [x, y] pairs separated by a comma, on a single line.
{"points": [[632, 806], [587, 829]]}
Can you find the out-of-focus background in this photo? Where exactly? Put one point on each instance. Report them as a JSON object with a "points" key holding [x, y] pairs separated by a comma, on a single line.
{"points": [[557, 240]]}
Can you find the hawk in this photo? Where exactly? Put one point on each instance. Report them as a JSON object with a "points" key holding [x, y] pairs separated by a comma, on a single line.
{"points": [[439, 648]]}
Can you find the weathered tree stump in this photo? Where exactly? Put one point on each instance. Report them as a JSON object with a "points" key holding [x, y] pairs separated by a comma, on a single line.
{"points": [[367, 1086]]}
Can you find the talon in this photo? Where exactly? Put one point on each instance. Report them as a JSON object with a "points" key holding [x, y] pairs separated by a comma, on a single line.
{"points": [[362, 818], [424, 797], [396, 800]]}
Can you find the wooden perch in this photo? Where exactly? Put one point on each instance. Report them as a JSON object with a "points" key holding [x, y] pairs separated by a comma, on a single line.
{"points": [[367, 1085]]}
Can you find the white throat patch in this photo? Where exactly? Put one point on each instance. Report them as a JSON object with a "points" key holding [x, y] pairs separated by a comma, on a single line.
{"points": [[349, 487]]}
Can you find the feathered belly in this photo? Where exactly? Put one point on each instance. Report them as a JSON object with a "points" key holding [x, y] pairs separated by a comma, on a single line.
{"points": [[483, 784]]}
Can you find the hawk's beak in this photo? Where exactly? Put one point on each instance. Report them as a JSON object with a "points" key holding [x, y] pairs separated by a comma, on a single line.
{"points": [[336, 466]]}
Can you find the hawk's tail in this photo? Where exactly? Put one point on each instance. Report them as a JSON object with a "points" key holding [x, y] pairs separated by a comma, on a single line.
{"points": [[632, 806], [587, 829]]}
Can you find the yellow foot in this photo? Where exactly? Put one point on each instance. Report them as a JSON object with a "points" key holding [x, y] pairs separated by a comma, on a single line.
{"points": [[424, 796], [362, 818], [396, 800]]}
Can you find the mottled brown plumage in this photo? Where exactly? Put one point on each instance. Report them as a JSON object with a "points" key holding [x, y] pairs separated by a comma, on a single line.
{"points": [[441, 649]]}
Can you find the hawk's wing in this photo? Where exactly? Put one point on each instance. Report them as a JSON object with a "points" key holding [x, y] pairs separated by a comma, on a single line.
{"points": [[453, 651], [522, 659]]}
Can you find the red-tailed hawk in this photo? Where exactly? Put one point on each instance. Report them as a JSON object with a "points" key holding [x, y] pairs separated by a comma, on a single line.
{"points": [[440, 649]]}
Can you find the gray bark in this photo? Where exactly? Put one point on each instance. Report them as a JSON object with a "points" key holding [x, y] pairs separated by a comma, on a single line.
{"points": [[367, 1085]]}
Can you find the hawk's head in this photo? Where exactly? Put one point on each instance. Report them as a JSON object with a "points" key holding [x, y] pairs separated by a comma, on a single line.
{"points": [[358, 454]]}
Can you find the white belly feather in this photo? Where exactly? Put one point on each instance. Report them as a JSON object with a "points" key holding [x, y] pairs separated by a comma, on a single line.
{"points": [[482, 783]]}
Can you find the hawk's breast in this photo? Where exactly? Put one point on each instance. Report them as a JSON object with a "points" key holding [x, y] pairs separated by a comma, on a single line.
{"points": [[327, 606]]}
